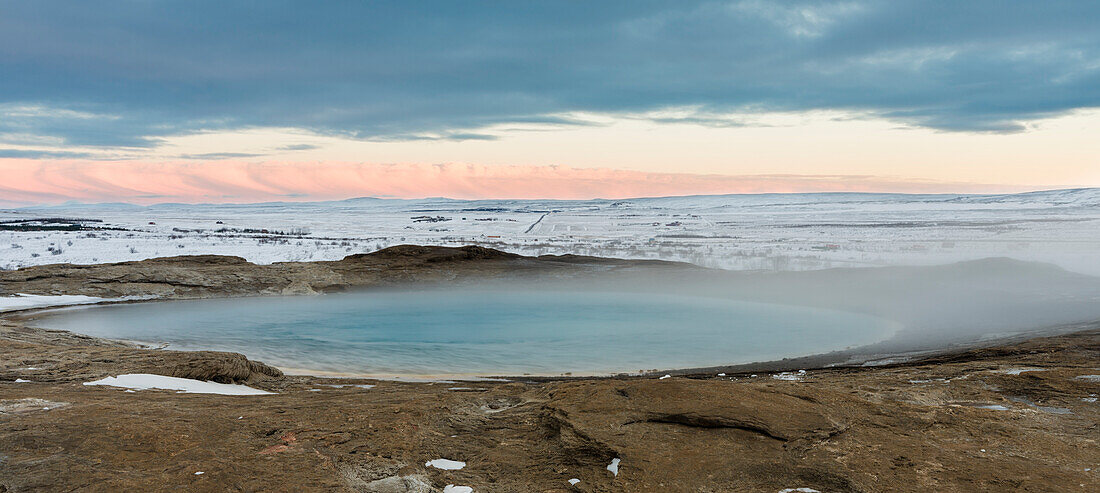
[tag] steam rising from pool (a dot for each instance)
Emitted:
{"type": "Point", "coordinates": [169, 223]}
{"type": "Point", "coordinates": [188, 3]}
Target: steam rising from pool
{"type": "Point", "coordinates": [484, 332]}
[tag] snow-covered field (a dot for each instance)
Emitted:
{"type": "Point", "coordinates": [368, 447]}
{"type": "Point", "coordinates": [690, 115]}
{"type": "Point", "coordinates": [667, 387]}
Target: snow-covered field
{"type": "Point", "coordinates": [770, 231]}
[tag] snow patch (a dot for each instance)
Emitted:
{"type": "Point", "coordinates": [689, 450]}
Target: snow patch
{"type": "Point", "coordinates": [574, 481]}
{"type": "Point", "coordinates": [790, 376]}
{"type": "Point", "coordinates": [1017, 371]}
{"type": "Point", "coordinates": [445, 464]}
{"type": "Point", "coordinates": [930, 380]}
{"type": "Point", "coordinates": [26, 301]}
{"type": "Point", "coordinates": [457, 489]}
{"type": "Point", "coordinates": [664, 377]}
{"type": "Point", "coordinates": [614, 466]}
{"type": "Point", "coordinates": [397, 378]}
{"type": "Point", "coordinates": [799, 490]}
{"type": "Point", "coordinates": [436, 379]}
{"type": "Point", "coordinates": [1088, 378]}
{"type": "Point", "coordinates": [20, 380]}
{"type": "Point", "coordinates": [144, 381]}
{"type": "Point", "coordinates": [885, 361]}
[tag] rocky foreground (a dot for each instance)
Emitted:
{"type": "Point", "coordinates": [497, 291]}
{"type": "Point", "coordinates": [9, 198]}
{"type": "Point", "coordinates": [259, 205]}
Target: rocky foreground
{"type": "Point", "coordinates": [1013, 417]}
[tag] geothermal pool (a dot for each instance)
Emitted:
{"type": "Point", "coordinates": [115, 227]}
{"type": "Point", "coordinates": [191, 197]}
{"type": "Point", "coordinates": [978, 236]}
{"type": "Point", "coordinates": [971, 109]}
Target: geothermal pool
{"type": "Point", "coordinates": [482, 332]}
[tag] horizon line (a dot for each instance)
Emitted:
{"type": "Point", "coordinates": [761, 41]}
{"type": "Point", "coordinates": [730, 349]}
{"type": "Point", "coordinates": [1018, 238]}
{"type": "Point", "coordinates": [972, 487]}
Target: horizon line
{"type": "Point", "coordinates": [76, 203]}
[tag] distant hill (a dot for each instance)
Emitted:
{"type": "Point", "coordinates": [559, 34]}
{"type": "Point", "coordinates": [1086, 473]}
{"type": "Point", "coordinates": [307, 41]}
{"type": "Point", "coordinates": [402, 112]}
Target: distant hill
{"type": "Point", "coordinates": [1077, 197]}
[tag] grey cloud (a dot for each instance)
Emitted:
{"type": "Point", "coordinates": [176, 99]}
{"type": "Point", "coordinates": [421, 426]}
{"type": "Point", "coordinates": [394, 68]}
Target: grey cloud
{"type": "Point", "coordinates": [436, 69]}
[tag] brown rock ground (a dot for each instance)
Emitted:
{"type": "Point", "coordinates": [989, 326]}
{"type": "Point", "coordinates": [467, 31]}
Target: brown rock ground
{"type": "Point", "coordinates": [916, 427]}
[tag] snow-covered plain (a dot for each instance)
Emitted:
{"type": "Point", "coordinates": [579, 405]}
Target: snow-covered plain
{"type": "Point", "coordinates": [768, 231]}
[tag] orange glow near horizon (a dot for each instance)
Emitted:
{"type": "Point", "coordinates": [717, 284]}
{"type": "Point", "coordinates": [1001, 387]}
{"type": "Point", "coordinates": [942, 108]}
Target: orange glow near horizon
{"type": "Point", "coordinates": [612, 157]}
{"type": "Point", "coordinates": [34, 182]}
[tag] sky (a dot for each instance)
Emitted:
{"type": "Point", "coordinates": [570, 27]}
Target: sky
{"type": "Point", "coordinates": [209, 101]}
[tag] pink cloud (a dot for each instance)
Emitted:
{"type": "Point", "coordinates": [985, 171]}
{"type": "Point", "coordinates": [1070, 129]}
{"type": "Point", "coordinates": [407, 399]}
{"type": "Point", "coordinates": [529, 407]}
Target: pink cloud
{"type": "Point", "coordinates": [24, 181]}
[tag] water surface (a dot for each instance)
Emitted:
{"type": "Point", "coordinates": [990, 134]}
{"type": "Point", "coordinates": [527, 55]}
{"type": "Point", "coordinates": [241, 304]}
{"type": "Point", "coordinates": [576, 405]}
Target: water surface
{"type": "Point", "coordinates": [482, 332]}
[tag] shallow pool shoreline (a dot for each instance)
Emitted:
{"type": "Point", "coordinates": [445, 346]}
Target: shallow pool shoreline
{"type": "Point", "coordinates": [854, 357]}
{"type": "Point", "coordinates": [482, 332]}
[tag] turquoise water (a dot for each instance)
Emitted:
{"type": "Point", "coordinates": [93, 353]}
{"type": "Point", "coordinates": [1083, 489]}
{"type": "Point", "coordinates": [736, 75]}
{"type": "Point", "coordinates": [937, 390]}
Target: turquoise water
{"type": "Point", "coordinates": [482, 332]}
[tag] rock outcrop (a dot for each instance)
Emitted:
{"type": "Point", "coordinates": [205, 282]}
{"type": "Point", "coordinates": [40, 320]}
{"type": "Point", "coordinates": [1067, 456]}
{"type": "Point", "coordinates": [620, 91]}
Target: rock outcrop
{"type": "Point", "coordinates": [202, 276]}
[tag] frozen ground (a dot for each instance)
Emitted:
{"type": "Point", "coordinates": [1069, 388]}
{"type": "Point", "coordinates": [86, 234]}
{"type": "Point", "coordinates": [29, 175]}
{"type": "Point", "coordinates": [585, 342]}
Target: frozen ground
{"type": "Point", "coordinates": [770, 231]}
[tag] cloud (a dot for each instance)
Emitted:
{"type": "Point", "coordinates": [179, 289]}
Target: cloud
{"type": "Point", "coordinates": [38, 154]}
{"type": "Point", "coordinates": [216, 156]}
{"type": "Point", "coordinates": [297, 147]}
{"type": "Point", "coordinates": [449, 135]}
{"type": "Point", "coordinates": [38, 182]}
{"type": "Point", "coordinates": [125, 74]}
